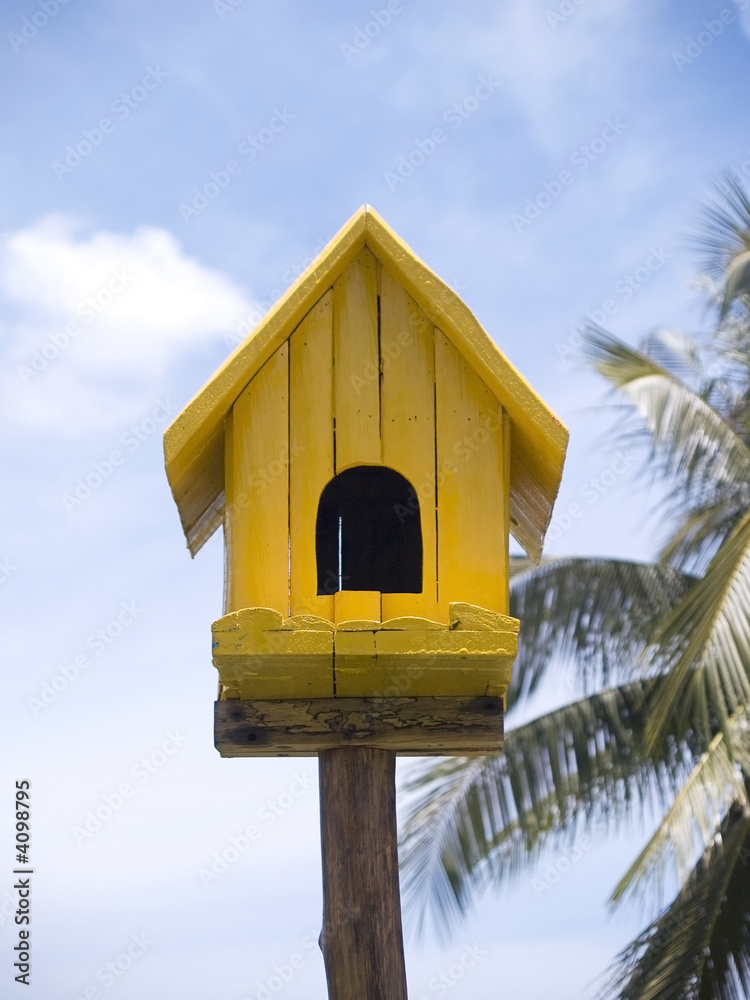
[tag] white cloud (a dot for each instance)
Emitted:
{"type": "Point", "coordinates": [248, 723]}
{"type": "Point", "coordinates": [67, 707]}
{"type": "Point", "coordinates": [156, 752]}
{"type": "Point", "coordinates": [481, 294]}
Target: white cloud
{"type": "Point", "coordinates": [96, 321]}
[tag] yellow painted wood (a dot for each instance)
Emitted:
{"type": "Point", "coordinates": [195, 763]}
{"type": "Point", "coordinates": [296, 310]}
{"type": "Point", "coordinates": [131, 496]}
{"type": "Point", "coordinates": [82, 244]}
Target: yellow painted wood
{"type": "Point", "coordinates": [411, 623]}
{"type": "Point", "coordinates": [311, 444]}
{"type": "Point", "coordinates": [257, 657]}
{"type": "Point", "coordinates": [356, 374]}
{"type": "Point", "coordinates": [469, 617]}
{"type": "Point", "coordinates": [471, 543]}
{"type": "Point", "coordinates": [194, 442]}
{"type": "Point", "coordinates": [308, 622]}
{"type": "Point", "coordinates": [258, 518]}
{"type": "Point", "coordinates": [392, 663]}
{"type": "Point", "coordinates": [407, 351]}
{"type": "Point", "coordinates": [249, 620]}
{"type": "Point", "coordinates": [507, 475]}
{"type": "Point", "coordinates": [227, 513]}
{"type": "Point", "coordinates": [261, 655]}
{"type": "Point", "coordinates": [446, 645]}
{"type": "Point", "coordinates": [350, 605]}
{"type": "Point", "coordinates": [355, 660]}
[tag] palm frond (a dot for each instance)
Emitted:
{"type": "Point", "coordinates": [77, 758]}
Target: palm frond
{"type": "Point", "coordinates": [693, 446]}
{"type": "Point", "coordinates": [724, 227]}
{"type": "Point", "coordinates": [472, 822]}
{"type": "Point", "coordinates": [699, 947]}
{"type": "Point", "coordinates": [598, 614]}
{"type": "Point", "coordinates": [737, 283]}
{"type": "Point", "coordinates": [703, 646]}
{"type": "Point", "coordinates": [688, 826]}
{"type": "Point", "coordinates": [699, 531]}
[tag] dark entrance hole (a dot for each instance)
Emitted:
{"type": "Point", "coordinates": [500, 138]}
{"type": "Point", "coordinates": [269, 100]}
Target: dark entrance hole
{"type": "Point", "coordinates": [368, 534]}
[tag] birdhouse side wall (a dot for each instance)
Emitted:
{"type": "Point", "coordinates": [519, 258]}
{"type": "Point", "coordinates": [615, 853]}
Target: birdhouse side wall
{"type": "Point", "coordinates": [366, 379]}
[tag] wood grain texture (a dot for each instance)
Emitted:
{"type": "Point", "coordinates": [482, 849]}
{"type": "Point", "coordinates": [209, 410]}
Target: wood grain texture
{"type": "Point", "coordinates": [430, 663]}
{"type": "Point", "coordinates": [409, 726]}
{"type": "Point", "coordinates": [361, 940]}
{"type": "Point", "coordinates": [356, 364]}
{"type": "Point", "coordinates": [258, 507]}
{"type": "Point", "coordinates": [288, 663]}
{"type": "Point", "coordinates": [352, 605]}
{"type": "Point", "coordinates": [407, 353]}
{"type": "Point", "coordinates": [311, 443]}
{"type": "Point", "coordinates": [471, 542]}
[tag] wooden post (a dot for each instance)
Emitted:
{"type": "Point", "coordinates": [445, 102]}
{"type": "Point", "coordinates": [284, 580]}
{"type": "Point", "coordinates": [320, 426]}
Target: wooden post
{"type": "Point", "coordinates": [361, 940]}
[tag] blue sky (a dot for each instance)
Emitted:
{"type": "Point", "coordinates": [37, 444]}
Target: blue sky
{"type": "Point", "coordinates": [167, 171]}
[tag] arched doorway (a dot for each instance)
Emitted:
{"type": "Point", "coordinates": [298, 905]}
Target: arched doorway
{"type": "Point", "coordinates": [368, 533]}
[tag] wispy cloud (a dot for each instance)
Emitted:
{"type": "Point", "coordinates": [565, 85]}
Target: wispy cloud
{"type": "Point", "coordinates": [96, 320]}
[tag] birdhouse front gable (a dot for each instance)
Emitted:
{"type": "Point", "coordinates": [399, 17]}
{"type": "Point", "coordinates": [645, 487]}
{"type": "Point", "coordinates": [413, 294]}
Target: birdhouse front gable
{"type": "Point", "coordinates": [196, 442]}
{"type": "Point", "coordinates": [367, 466]}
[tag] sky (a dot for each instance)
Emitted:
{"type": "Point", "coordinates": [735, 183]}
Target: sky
{"type": "Point", "coordinates": [167, 171]}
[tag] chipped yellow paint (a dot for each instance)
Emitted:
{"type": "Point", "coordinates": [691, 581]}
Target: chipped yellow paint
{"type": "Point", "coordinates": [469, 617]}
{"type": "Point", "coordinates": [471, 542]}
{"type": "Point", "coordinates": [308, 622]}
{"type": "Point", "coordinates": [194, 443]}
{"type": "Point", "coordinates": [311, 448]}
{"type": "Point", "coordinates": [405, 657]}
{"type": "Point", "coordinates": [411, 623]}
{"type": "Point", "coordinates": [397, 663]}
{"type": "Point", "coordinates": [407, 348]}
{"type": "Point", "coordinates": [258, 658]}
{"type": "Point", "coordinates": [257, 513]}
{"type": "Point", "coordinates": [506, 506]}
{"type": "Point", "coordinates": [250, 620]}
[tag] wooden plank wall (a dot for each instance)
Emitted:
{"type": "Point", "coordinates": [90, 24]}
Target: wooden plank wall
{"type": "Point", "coordinates": [407, 340]}
{"type": "Point", "coordinates": [367, 379]}
{"type": "Point", "coordinates": [471, 544]}
{"type": "Point", "coordinates": [257, 494]}
{"type": "Point", "coordinates": [311, 450]}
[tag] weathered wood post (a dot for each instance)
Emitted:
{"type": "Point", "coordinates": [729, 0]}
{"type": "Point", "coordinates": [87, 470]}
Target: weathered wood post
{"type": "Point", "coordinates": [362, 942]}
{"type": "Point", "coordinates": [368, 451]}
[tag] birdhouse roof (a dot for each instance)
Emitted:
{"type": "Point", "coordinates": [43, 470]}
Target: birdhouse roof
{"type": "Point", "coordinates": [194, 442]}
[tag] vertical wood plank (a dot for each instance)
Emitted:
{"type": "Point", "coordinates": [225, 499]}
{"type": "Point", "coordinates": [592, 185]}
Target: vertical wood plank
{"type": "Point", "coordinates": [356, 363]}
{"type": "Point", "coordinates": [407, 351]}
{"type": "Point", "coordinates": [311, 450]}
{"type": "Point", "coordinates": [471, 543]}
{"type": "Point", "coordinates": [506, 510]}
{"type": "Point", "coordinates": [259, 518]}
{"type": "Point", "coordinates": [360, 605]}
{"type": "Point", "coordinates": [230, 506]}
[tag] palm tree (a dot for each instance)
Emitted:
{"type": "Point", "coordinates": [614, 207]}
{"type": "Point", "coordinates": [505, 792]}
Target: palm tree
{"type": "Point", "coordinates": [661, 714]}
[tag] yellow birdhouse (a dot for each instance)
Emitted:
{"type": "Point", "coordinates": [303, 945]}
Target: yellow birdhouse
{"type": "Point", "coordinates": [368, 451]}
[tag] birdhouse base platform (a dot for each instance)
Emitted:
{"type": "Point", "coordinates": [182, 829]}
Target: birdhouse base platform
{"type": "Point", "coordinates": [262, 656]}
{"type": "Point", "coordinates": [421, 726]}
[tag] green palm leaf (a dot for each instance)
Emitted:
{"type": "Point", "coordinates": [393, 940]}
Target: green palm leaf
{"type": "Point", "coordinates": [737, 281]}
{"type": "Point", "coordinates": [692, 444]}
{"type": "Point", "coordinates": [471, 822]}
{"type": "Point", "coordinates": [699, 947]}
{"type": "Point", "coordinates": [690, 823]}
{"type": "Point", "coordinates": [703, 646]}
{"type": "Point", "coordinates": [598, 614]}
